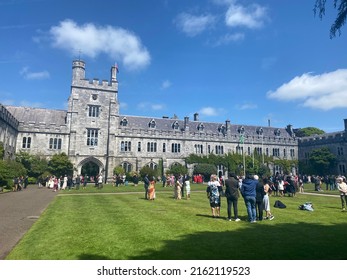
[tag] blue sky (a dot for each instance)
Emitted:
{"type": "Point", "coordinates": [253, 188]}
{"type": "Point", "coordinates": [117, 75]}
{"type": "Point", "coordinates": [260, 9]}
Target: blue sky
{"type": "Point", "coordinates": [246, 61]}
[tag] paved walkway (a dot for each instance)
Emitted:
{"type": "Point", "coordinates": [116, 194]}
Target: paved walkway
{"type": "Point", "coordinates": [18, 212]}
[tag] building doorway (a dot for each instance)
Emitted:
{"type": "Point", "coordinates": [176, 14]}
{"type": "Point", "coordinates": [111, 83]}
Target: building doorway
{"type": "Point", "coordinates": [90, 170]}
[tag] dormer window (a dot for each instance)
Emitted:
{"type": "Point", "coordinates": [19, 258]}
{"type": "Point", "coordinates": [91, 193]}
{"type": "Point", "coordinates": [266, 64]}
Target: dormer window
{"type": "Point", "coordinates": [201, 127]}
{"type": "Point", "coordinates": [124, 122]}
{"type": "Point", "coordinates": [260, 130]}
{"type": "Point", "coordinates": [175, 125]}
{"type": "Point", "coordinates": [152, 124]}
{"type": "Point", "coordinates": [222, 129]}
{"type": "Point", "coordinates": [277, 132]}
{"type": "Point", "coordinates": [241, 130]}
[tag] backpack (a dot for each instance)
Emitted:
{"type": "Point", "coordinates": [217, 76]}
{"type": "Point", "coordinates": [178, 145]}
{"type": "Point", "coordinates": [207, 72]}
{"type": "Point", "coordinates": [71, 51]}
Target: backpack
{"type": "Point", "coordinates": [279, 204]}
{"type": "Point", "coordinates": [306, 206]}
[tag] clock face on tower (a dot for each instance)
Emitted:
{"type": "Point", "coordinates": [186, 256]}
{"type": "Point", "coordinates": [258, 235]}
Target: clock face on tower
{"type": "Point", "coordinates": [95, 96]}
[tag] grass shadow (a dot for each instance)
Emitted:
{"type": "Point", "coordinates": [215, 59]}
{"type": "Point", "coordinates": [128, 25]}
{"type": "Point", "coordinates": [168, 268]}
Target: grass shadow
{"type": "Point", "coordinates": [300, 241]}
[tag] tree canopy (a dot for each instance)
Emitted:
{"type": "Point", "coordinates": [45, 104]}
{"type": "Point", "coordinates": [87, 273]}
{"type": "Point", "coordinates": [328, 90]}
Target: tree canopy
{"type": "Point", "coordinates": [308, 131]}
{"type": "Point", "coordinates": [322, 161]}
{"type": "Point", "coordinates": [341, 6]}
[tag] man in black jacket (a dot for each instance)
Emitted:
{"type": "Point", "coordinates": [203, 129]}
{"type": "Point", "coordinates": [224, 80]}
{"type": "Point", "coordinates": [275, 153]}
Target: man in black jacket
{"type": "Point", "coordinates": [146, 185]}
{"type": "Point", "coordinates": [232, 194]}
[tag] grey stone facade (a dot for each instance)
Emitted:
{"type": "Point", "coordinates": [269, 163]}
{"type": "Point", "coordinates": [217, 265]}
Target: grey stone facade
{"type": "Point", "coordinates": [8, 132]}
{"type": "Point", "coordinates": [336, 142]}
{"type": "Point", "coordinates": [93, 130]}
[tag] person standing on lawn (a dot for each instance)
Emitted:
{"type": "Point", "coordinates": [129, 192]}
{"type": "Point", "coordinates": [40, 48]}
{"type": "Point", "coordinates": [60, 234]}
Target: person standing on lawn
{"type": "Point", "coordinates": [214, 191]}
{"type": "Point", "coordinates": [248, 192]}
{"type": "Point", "coordinates": [342, 187]}
{"type": "Point", "coordinates": [232, 194]}
{"type": "Point", "coordinates": [151, 189]}
{"type": "Point", "coordinates": [266, 200]}
{"type": "Point", "coordinates": [259, 199]}
{"type": "Point", "coordinates": [146, 185]}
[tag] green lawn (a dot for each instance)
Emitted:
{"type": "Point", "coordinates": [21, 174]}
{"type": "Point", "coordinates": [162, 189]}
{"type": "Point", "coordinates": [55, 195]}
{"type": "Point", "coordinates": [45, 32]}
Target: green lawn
{"type": "Point", "coordinates": [119, 224]}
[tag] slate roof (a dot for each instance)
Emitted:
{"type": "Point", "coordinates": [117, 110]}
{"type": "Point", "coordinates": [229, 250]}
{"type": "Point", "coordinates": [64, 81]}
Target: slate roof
{"type": "Point", "coordinates": [57, 117]}
{"type": "Point", "coordinates": [166, 124]}
{"type": "Point", "coordinates": [38, 115]}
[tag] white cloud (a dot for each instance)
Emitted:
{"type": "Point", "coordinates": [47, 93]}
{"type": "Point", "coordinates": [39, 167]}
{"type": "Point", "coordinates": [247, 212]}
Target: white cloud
{"type": "Point", "coordinates": [253, 16]}
{"type": "Point", "coordinates": [209, 111]}
{"type": "Point", "coordinates": [92, 40]}
{"type": "Point", "coordinates": [193, 25]}
{"type": "Point", "coordinates": [34, 75]}
{"type": "Point", "coordinates": [247, 106]}
{"type": "Point", "coordinates": [166, 84]}
{"type": "Point", "coordinates": [325, 91]}
{"type": "Point", "coordinates": [229, 38]}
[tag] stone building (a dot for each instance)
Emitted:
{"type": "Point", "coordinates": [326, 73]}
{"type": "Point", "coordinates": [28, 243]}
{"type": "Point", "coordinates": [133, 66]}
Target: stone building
{"type": "Point", "coordinates": [336, 142]}
{"type": "Point", "coordinates": [94, 134]}
{"type": "Point", "coordinates": [8, 132]}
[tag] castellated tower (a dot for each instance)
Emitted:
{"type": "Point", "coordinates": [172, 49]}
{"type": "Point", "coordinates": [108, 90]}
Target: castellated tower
{"type": "Point", "coordinates": [92, 117]}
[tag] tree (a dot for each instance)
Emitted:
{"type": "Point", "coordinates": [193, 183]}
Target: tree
{"type": "Point", "coordinates": [146, 170]}
{"type": "Point", "coordinates": [178, 169]}
{"type": "Point", "coordinates": [60, 165]}
{"type": "Point", "coordinates": [341, 6]}
{"type": "Point", "coordinates": [308, 131]}
{"type": "Point", "coordinates": [9, 169]}
{"type": "Point", "coordinates": [322, 161]}
{"type": "Point", "coordinates": [2, 150]}
{"type": "Point", "coordinates": [205, 169]}
{"type": "Point", "coordinates": [118, 170]}
{"type": "Point", "coordinates": [35, 165]}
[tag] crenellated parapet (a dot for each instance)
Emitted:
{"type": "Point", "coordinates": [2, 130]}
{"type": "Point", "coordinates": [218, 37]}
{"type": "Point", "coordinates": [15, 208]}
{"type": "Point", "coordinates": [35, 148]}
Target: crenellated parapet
{"type": "Point", "coordinates": [8, 118]}
{"type": "Point", "coordinates": [79, 79]}
{"type": "Point", "coordinates": [323, 139]}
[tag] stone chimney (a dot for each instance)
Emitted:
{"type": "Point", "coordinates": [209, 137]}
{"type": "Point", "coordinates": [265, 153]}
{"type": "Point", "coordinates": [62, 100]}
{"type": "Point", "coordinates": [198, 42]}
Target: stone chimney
{"type": "Point", "coordinates": [196, 117]}
{"type": "Point", "coordinates": [186, 123]}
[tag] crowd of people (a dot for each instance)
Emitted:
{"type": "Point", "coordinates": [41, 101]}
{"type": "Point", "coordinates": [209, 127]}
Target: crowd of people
{"type": "Point", "coordinates": [180, 184]}
{"type": "Point", "coordinates": [20, 183]}
{"type": "Point", "coordinates": [68, 182]}
{"type": "Point", "coordinates": [255, 194]}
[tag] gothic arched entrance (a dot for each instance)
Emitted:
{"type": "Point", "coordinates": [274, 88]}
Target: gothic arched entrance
{"type": "Point", "coordinates": [91, 168]}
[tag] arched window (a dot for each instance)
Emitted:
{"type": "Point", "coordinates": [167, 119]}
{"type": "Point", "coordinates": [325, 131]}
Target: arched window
{"type": "Point", "coordinates": [152, 165]}
{"type": "Point", "coordinates": [127, 166]}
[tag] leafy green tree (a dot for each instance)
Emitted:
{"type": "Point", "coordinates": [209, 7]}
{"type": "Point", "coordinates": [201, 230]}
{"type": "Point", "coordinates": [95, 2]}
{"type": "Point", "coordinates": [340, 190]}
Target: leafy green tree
{"type": "Point", "coordinates": [2, 150]}
{"type": "Point", "coordinates": [39, 166]}
{"type": "Point", "coordinates": [178, 169]}
{"type": "Point", "coordinates": [341, 6]}
{"type": "Point", "coordinates": [60, 165]}
{"type": "Point", "coordinates": [308, 131]}
{"type": "Point", "coordinates": [35, 165]}
{"type": "Point", "coordinates": [322, 161]}
{"type": "Point", "coordinates": [9, 169]}
{"type": "Point", "coordinates": [149, 171]}
{"type": "Point", "coordinates": [118, 170]}
{"type": "Point", "coordinates": [205, 169]}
